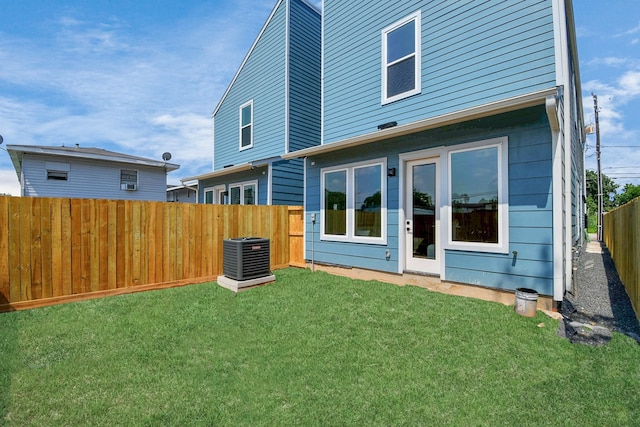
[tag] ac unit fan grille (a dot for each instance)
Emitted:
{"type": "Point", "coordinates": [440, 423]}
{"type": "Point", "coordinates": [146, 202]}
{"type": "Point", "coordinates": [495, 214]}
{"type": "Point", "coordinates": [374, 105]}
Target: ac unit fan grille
{"type": "Point", "coordinates": [246, 258]}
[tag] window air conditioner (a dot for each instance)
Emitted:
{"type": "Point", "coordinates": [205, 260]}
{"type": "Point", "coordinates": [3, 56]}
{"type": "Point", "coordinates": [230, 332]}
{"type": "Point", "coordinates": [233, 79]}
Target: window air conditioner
{"type": "Point", "coordinates": [129, 186]}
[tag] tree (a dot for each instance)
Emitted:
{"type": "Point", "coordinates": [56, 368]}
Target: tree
{"type": "Point", "coordinates": [629, 193]}
{"type": "Point", "coordinates": [609, 189]}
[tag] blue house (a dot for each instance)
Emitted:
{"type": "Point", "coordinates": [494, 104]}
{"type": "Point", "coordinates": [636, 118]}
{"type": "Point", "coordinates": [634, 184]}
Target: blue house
{"type": "Point", "coordinates": [452, 151]}
{"type": "Point", "coordinates": [271, 108]}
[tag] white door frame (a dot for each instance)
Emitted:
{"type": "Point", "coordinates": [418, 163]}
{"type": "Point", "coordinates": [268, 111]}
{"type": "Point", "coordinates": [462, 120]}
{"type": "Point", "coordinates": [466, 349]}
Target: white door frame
{"type": "Point", "coordinates": [439, 155]}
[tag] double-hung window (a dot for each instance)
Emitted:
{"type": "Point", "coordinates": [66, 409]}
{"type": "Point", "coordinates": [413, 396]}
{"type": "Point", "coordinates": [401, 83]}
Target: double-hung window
{"type": "Point", "coordinates": [246, 125]}
{"type": "Point", "coordinates": [354, 205]}
{"type": "Point", "coordinates": [401, 59]}
{"type": "Point", "coordinates": [478, 193]}
{"type": "Point", "coordinates": [244, 193]}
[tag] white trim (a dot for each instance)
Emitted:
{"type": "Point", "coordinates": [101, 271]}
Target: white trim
{"type": "Point", "coordinates": [502, 144]}
{"type": "Point", "coordinates": [246, 58]}
{"type": "Point", "coordinates": [322, 79]}
{"type": "Point", "coordinates": [127, 183]}
{"type": "Point", "coordinates": [215, 190]}
{"type": "Point", "coordinates": [16, 152]}
{"type": "Point", "coordinates": [253, 46]}
{"type": "Point", "coordinates": [559, 30]}
{"type": "Point", "coordinates": [304, 210]}
{"type": "Point", "coordinates": [287, 47]}
{"type": "Point", "coordinates": [213, 156]}
{"type": "Point", "coordinates": [270, 184]}
{"type": "Point", "coordinates": [484, 110]}
{"type": "Point", "coordinates": [439, 152]}
{"type": "Point", "coordinates": [417, 54]}
{"type": "Point", "coordinates": [430, 266]}
{"type": "Point", "coordinates": [241, 126]}
{"type": "Point", "coordinates": [211, 190]}
{"type": "Point", "coordinates": [350, 202]}
{"type": "Point", "coordinates": [241, 186]}
{"type": "Point", "coordinates": [232, 169]}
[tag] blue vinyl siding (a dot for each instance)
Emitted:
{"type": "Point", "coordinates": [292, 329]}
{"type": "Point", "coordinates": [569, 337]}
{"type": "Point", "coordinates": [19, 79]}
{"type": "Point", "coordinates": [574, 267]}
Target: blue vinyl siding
{"type": "Point", "coordinates": [261, 79]}
{"type": "Point", "coordinates": [530, 204]}
{"type": "Point", "coordinates": [467, 46]}
{"type": "Point", "coordinates": [92, 179]}
{"type": "Point", "coordinates": [259, 174]}
{"type": "Point", "coordinates": [281, 77]}
{"type": "Point", "coordinates": [304, 76]}
{"type": "Point", "coordinates": [287, 183]}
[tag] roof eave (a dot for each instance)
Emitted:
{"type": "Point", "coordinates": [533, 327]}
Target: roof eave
{"type": "Point", "coordinates": [484, 110]}
{"type": "Point", "coordinates": [221, 172]}
{"type": "Point", "coordinates": [81, 155]}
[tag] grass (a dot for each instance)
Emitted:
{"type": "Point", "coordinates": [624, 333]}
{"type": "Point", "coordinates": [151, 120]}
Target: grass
{"type": "Point", "coordinates": [310, 349]}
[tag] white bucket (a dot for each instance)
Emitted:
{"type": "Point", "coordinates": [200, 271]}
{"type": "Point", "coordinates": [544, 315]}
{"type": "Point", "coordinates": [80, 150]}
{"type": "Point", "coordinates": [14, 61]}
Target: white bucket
{"type": "Point", "coordinates": [526, 302]}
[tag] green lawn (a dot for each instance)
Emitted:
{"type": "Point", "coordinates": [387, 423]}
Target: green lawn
{"type": "Point", "coordinates": [310, 349]}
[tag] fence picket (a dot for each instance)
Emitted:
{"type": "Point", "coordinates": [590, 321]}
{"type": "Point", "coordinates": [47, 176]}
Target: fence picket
{"type": "Point", "coordinates": [622, 238]}
{"type": "Point", "coordinates": [57, 249]}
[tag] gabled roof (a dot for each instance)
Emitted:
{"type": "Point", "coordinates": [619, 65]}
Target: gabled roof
{"type": "Point", "coordinates": [16, 152]}
{"type": "Point", "coordinates": [253, 46]}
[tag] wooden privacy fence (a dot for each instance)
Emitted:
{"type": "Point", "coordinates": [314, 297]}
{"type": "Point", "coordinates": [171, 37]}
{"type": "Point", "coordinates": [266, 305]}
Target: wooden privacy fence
{"type": "Point", "coordinates": [54, 249]}
{"type": "Point", "coordinates": [622, 237]}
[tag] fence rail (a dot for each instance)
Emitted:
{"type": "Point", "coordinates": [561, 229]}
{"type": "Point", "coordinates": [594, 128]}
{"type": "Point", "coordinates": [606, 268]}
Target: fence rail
{"type": "Point", "coordinates": [622, 237]}
{"type": "Point", "coordinates": [54, 248]}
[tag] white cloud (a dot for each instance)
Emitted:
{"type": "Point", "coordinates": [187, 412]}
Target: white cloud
{"type": "Point", "coordinates": [612, 61]}
{"type": "Point", "coordinates": [634, 30]}
{"type": "Point", "coordinates": [9, 183]}
{"type": "Point", "coordinates": [617, 131]}
{"type": "Point", "coordinates": [99, 84]}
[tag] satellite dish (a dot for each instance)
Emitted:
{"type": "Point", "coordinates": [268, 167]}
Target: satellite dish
{"type": "Point", "coordinates": [166, 156]}
{"type": "Point", "coordinates": [1, 139]}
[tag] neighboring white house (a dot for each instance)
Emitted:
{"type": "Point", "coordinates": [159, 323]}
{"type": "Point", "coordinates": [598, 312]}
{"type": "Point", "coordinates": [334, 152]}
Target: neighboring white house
{"type": "Point", "coordinates": [90, 173]}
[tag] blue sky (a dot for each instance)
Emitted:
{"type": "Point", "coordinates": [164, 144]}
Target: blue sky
{"type": "Point", "coordinates": [143, 77]}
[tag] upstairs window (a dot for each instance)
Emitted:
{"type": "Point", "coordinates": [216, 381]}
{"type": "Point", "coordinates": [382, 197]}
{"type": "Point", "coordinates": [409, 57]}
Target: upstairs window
{"type": "Point", "coordinates": [246, 125]}
{"type": "Point", "coordinates": [128, 179]}
{"type": "Point", "coordinates": [57, 171]}
{"type": "Point", "coordinates": [401, 62]}
{"type": "Point", "coordinates": [57, 175]}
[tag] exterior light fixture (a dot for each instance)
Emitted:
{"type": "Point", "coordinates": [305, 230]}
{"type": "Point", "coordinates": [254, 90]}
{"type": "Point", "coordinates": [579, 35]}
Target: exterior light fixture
{"type": "Point", "coordinates": [387, 125]}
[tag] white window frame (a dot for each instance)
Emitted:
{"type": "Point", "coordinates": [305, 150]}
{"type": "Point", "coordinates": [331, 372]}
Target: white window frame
{"type": "Point", "coordinates": [350, 231]}
{"type": "Point", "coordinates": [57, 168]}
{"type": "Point", "coordinates": [208, 190]}
{"type": "Point", "coordinates": [503, 197]}
{"type": "Point", "coordinates": [124, 184]}
{"type": "Point", "coordinates": [417, 17]}
{"type": "Point", "coordinates": [240, 126]}
{"type": "Point", "coordinates": [241, 186]}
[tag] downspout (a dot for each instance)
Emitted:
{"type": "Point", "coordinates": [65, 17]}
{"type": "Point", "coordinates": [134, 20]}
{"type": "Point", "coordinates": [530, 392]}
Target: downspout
{"type": "Point", "coordinates": [557, 188]}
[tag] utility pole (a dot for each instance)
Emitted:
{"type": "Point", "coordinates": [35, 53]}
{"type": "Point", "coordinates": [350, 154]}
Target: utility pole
{"type": "Point", "coordinates": [600, 215]}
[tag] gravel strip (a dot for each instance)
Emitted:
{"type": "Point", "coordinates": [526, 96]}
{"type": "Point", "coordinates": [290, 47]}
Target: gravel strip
{"type": "Point", "coordinates": [599, 303]}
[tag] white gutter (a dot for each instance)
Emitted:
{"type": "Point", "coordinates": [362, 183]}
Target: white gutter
{"type": "Point", "coordinates": [92, 156]}
{"type": "Point", "coordinates": [232, 169]}
{"type": "Point", "coordinates": [485, 110]}
{"type": "Point", "coordinates": [226, 171]}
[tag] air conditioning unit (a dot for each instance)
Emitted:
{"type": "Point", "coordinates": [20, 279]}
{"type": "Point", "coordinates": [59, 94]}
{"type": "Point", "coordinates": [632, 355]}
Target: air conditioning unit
{"type": "Point", "coordinates": [246, 258]}
{"type": "Point", "coordinates": [129, 186]}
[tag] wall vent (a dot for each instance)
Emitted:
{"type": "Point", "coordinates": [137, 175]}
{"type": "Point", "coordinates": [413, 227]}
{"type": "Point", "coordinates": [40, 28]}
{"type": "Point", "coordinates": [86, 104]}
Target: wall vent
{"type": "Point", "coordinates": [246, 258]}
